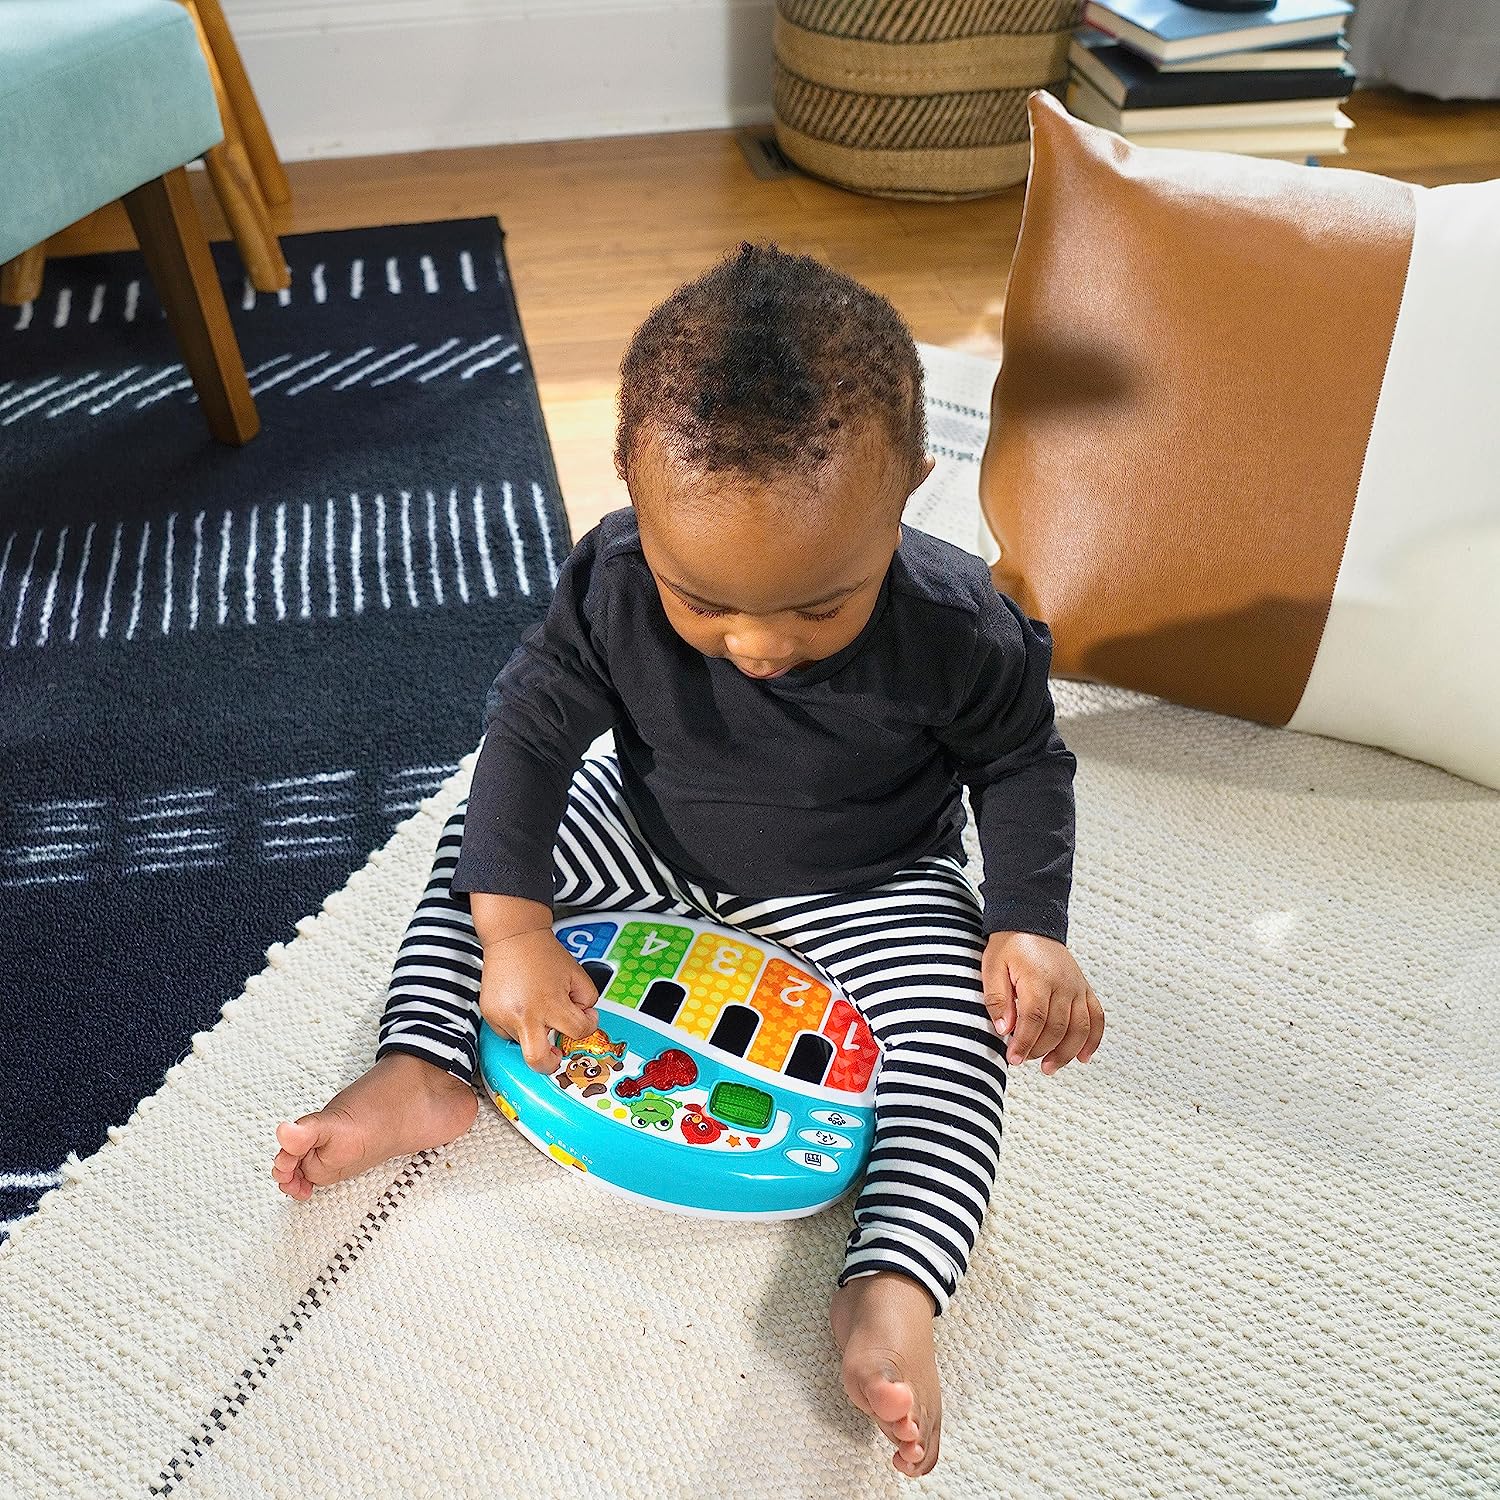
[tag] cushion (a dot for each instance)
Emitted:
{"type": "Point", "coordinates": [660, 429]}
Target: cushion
{"type": "Point", "coordinates": [1244, 446]}
{"type": "Point", "coordinates": [96, 98]}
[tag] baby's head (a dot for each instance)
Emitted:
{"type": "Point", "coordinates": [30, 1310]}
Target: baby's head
{"type": "Point", "coordinates": [771, 429]}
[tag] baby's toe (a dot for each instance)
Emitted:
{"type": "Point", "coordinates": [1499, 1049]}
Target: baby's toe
{"type": "Point", "coordinates": [921, 1453]}
{"type": "Point", "coordinates": [326, 1146]}
{"type": "Point", "coordinates": [899, 1413]}
{"type": "Point", "coordinates": [927, 1450]}
{"type": "Point", "coordinates": [879, 1391]}
{"type": "Point", "coordinates": [296, 1138]}
{"type": "Point", "coordinates": [892, 1404]}
{"type": "Point", "coordinates": [299, 1185]}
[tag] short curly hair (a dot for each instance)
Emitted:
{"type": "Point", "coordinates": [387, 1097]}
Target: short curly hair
{"type": "Point", "coordinates": [749, 368]}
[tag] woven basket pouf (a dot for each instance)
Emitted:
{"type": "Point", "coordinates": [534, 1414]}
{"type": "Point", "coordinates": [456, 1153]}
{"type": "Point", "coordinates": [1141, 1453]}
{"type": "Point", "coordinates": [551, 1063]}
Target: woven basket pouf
{"type": "Point", "coordinates": [915, 98]}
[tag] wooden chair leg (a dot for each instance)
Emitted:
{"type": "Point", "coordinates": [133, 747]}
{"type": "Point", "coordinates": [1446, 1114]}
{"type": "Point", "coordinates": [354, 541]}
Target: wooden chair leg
{"type": "Point", "coordinates": [249, 219]}
{"type": "Point", "coordinates": [21, 278]}
{"type": "Point", "coordinates": [177, 256]}
{"type": "Point", "coordinates": [238, 192]}
{"type": "Point", "coordinates": [269, 172]}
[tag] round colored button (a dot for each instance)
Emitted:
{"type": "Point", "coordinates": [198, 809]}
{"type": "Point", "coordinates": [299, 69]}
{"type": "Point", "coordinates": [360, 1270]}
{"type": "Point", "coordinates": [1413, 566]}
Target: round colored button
{"type": "Point", "coordinates": [815, 1161]}
{"type": "Point", "coordinates": [830, 1140]}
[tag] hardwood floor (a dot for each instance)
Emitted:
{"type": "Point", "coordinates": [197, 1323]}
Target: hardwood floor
{"type": "Point", "coordinates": [598, 231]}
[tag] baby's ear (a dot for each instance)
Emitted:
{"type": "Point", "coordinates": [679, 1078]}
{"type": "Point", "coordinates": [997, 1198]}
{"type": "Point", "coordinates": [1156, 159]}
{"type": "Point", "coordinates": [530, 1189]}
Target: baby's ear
{"type": "Point", "coordinates": [919, 476]}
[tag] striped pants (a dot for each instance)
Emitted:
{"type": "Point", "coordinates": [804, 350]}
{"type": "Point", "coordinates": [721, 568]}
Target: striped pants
{"type": "Point", "coordinates": [907, 953]}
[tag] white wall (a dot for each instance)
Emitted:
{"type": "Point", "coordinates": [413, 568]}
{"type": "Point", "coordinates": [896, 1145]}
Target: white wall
{"type": "Point", "coordinates": [350, 77]}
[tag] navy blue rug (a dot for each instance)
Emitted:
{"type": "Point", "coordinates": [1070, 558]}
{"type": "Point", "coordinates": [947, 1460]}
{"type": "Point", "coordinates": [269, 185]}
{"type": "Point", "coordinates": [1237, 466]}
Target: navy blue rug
{"type": "Point", "coordinates": [225, 675]}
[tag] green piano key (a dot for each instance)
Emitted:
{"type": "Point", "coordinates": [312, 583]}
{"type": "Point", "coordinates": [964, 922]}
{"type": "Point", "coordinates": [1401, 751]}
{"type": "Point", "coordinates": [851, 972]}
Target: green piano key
{"type": "Point", "coordinates": [643, 952]}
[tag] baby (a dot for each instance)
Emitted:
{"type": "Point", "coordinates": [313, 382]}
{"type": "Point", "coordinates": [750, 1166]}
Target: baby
{"type": "Point", "coordinates": [800, 689]}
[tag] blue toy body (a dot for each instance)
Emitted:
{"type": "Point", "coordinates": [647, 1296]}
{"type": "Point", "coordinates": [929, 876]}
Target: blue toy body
{"type": "Point", "coordinates": [724, 1078]}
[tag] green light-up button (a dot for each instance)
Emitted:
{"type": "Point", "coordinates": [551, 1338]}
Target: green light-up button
{"type": "Point", "coordinates": [740, 1105]}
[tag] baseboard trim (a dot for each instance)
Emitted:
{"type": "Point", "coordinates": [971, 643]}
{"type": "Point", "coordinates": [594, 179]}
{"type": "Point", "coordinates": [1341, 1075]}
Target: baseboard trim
{"type": "Point", "coordinates": [358, 77]}
{"type": "Point", "coordinates": [293, 18]}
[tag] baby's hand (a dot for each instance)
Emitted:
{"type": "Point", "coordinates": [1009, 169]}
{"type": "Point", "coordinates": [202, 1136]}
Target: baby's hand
{"type": "Point", "coordinates": [1036, 994]}
{"type": "Point", "coordinates": [531, 985]}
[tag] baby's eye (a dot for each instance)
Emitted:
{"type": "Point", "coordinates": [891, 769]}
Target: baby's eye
{"type": "Point", "coordinates": [709, 614]}
{"type": "Point", "coordinates": [826, 614]}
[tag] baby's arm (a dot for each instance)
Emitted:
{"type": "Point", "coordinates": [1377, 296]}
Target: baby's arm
{"type": "Point", "coordinates": [1020, 779]}
{"type": "Point", "coordinates": [552, 699]}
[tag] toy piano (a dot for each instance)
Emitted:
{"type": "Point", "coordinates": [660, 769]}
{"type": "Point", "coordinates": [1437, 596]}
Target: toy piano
{"type": "Point", "coordinates": [724, 1078]}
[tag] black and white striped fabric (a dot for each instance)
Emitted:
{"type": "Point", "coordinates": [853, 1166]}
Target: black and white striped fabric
{"type": "Point", "coordinates": [907, 953]}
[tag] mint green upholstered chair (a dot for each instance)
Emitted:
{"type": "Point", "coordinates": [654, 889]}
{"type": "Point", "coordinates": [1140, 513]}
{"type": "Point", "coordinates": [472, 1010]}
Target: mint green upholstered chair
{"type": "Point", "coordinates": [105, 99]}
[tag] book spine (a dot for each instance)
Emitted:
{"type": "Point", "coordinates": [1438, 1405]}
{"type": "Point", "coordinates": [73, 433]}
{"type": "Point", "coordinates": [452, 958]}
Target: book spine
{"type": "Point", "coordinates": [1187, 91]}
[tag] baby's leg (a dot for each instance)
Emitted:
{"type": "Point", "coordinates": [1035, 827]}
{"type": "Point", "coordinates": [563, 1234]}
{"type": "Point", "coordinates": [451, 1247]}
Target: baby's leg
{"type": "Point", "coordinates": [600, 861]}
{"type": "Point", "coordinates": [419, 1092]}
{"type": "Point", "coordinates": [909, 955]}
{"type": "Point", "coordinates": [432, 1004]}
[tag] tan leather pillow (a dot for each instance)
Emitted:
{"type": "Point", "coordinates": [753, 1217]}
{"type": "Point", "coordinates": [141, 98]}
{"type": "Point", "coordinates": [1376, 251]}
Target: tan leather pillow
{"type": "Point", "coordinates": [1245, 441]}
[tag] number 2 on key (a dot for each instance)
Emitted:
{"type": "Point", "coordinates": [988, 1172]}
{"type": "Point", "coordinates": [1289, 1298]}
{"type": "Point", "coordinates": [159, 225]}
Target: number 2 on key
{"type": "Point", "coordinates": [798, 987]}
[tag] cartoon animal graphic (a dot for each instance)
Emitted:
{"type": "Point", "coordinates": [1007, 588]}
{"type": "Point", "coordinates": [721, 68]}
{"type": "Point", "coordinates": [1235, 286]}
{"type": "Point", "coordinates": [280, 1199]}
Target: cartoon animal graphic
{"type": "Point", "coordinates": [672, 1069]}
{"type": "Point", "coordinates": [587, 1073]}
{"type": "Point", "coordinates": [699, 1129]}
{"type": "Point", "coordinates": [652, 1110]}
{"type": "Point", "coordinates": [596, 1041]}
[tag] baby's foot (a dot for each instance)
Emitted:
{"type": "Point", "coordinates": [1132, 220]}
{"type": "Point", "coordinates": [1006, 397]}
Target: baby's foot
{"type": "Point", "coordinates": [883, 1323]}
{"type": "Point", "coordinates": [399, 1106]}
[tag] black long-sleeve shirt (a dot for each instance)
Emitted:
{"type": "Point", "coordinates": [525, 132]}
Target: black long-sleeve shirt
{"type": "Point", "coordinates": [832, 777]}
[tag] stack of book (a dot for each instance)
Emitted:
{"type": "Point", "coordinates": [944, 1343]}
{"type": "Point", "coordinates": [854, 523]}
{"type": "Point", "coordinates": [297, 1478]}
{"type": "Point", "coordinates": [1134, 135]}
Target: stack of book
{"type": "Point", "coordinates": [1263, 83]}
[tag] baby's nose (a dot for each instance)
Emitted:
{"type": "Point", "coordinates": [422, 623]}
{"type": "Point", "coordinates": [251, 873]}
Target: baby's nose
{"type": "Point", "coordinates": [760, 645]}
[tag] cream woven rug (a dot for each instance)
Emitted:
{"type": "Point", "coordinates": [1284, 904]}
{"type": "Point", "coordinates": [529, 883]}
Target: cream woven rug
{"type": "Point", "coordinates": [1250, 1251]}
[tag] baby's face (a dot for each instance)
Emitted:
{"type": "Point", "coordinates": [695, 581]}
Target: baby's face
{"type": "Point", "coordinates": [772, 576]}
